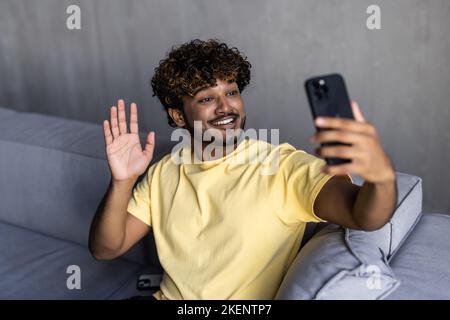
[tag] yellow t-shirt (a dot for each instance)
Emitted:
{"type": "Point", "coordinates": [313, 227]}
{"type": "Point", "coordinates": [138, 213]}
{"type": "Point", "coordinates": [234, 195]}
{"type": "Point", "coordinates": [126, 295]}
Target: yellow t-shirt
{"type": "Point", "coordinates": [227, 229]}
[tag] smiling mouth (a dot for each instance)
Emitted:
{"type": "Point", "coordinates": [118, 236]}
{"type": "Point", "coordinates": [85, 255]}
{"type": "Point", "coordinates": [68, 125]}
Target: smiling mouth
{"type": "Point", "coordinates": [225, 123]}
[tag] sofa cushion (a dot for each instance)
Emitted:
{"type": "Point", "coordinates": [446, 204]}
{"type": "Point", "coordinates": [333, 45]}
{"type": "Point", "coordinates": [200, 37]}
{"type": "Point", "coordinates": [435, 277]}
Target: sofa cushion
{"type": "Point", "coordinates": [333, 271]}
{"type": "Point", "coordinates": [34, 266]}
{"type": "Point", "coordinates": [65, 135]}
{"type": "Point", "coordinates": [390, 237]}
{"type": "Point", "coordinates": [6, 113]}
{"type": "Point", "coordinates": [407, 213]}
{"type": "Point", "coordinates": [54, 174]}
{"type": "Point", "coordinates": [327, 268]}
{"type": "Point", "coordinates": [423, 261]}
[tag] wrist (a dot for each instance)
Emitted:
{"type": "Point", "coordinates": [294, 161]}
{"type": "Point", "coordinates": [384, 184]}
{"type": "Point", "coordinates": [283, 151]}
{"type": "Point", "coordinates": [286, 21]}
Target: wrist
{"type": "Point", "coordinates": [389, 177]}
{"type": "Point", "coordinates": [123, 184]}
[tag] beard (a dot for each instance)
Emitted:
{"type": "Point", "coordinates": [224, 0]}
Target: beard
{"type": "Point", "coordinates": [217, 137]}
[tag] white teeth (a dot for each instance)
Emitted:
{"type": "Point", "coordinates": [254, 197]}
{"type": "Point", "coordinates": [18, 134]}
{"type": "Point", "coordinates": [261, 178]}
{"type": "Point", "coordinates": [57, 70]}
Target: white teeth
{"type": "Point", "coordinates": [223, 122]}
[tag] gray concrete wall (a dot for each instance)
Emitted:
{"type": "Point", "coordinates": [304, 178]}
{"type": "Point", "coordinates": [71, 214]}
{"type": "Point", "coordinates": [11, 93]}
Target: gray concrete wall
{"type": "Point", "coordinates": [399, 74]}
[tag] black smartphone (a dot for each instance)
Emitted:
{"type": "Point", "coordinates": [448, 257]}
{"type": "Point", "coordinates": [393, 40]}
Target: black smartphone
{"type": "Point", "coordinates": [328, 97]}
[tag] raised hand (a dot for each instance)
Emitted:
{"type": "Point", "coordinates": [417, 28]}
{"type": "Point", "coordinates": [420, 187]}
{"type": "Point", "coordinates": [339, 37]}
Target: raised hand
{"type": "Point", "coordinates": [126, 158]}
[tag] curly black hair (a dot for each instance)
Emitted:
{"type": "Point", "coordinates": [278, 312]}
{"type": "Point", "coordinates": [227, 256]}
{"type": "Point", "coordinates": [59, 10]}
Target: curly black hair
{"type": "Point", "coordinates": [194, 66]}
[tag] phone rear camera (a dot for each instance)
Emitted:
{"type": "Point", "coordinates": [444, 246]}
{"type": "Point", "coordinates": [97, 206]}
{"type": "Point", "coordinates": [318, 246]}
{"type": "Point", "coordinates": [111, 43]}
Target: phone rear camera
{"type": "Point", "coordinates": [320, 89]}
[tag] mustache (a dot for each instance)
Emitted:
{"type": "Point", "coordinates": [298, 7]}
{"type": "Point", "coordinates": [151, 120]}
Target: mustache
{"type": "Point", "coordinates": [225, 116]}
{"type": "Point", "coordinates": [190, 128]}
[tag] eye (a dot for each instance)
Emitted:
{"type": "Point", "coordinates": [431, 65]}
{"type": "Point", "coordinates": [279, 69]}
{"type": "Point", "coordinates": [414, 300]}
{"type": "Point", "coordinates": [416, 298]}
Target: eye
{"type": "Point", "coordinates": [205, 100]}
{"type": "Point", "coordinates": [234, 92]}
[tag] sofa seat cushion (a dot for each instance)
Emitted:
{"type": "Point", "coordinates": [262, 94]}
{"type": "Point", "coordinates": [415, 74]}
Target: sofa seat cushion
{"type": "Point", "coordinates": [34, 266]}
{"type": "Point", "coordinates": [423, 262]}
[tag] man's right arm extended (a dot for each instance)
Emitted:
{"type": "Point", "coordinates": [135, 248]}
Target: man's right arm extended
{"type": "Point", "coordinates": [113, 230]}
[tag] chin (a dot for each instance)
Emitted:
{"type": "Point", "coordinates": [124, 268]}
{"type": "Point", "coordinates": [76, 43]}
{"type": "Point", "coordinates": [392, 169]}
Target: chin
{"type": "Point", "coordinates": [224, 138]}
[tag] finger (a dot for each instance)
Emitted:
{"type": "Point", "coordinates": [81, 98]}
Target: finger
{"type": "Point", "coordinates": [357, 114]}
{"type": "Point", "coordinates": [122, 117]}
{"type": "Point", "coordinates": [149, 145]}
{"type": "Point", "coordinates": [114, 123]}
{"type": "Point", "coordinates": [133, 118]}
{"type": "Point", "coordinates": [344, 152]}
{"type": "Point", "coordinates": [340, 123]}
{"type": "Point", "coordinates": [337, 135]}
{"type": "Point", "coordinates": [107, 132]}
{"type": "Point", "coordinates": [346, 124]}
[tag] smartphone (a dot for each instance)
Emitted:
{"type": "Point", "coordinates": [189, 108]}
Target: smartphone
{"type": "Point", "coordinates": [328, 97]}
{"type": "Point", "coordinates": [149, 281]}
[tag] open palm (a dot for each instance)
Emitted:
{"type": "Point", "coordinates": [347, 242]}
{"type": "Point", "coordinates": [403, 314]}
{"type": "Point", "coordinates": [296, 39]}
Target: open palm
{"type": "Point", "coordinates": [126, 158]}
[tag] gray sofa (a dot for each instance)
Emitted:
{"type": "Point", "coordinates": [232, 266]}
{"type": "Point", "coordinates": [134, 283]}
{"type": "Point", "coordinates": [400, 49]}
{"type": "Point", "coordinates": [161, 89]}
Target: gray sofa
{"type": "Point", "coordinates": [53, 174]}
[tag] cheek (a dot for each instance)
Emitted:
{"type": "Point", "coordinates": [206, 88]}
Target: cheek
{"type": "Point", "coordinates": [204, 114]}
{"type": "Point", "coordinates": [199, 116]}
{"type": "Point", "coordinates": [241, 106]}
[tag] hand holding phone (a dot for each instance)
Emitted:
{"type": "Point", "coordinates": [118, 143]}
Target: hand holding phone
{"type": "Point", "coordinates": [350, 137]}
{"type": "Point", "coordinates": [328, 97]}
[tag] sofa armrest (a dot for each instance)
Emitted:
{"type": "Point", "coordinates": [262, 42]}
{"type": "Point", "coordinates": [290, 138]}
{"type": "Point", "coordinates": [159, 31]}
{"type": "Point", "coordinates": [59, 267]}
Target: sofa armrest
{"type": "Point", "coordinates": [406, 215]}
{"type": "Point", "coordinates": [326, 268]}
{"type": "Point", "coordinates": [340, 263]}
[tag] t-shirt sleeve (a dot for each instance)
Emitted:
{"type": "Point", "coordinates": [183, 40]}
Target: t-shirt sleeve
{"type": "Point", "coordinates": [139, 203]}
{"type": "Point", "coordinates": [300, 181]}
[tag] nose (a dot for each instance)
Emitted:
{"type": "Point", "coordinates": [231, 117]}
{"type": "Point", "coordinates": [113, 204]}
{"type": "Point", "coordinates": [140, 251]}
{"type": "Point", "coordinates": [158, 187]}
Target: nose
{"type": "Point", "coordinates": [223, 106]}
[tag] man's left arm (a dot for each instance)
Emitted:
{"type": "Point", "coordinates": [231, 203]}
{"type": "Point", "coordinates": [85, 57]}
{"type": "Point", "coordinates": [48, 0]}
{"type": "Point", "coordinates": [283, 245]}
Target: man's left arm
{"type": "Point", "coordinates": [370, 206]}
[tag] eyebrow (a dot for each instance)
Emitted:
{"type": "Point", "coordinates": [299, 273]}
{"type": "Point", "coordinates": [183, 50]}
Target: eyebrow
{"type": "Point", "coordinates": [209, 87]}
{"type": "Point", "coordinates": [198, 90]}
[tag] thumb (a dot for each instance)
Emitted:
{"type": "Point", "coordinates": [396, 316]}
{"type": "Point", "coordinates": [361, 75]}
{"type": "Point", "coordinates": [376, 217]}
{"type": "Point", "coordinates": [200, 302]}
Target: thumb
{"type": "Point", "coordinates": [149, 145]}
{"type": "Point", "coordinates": [357, 112]}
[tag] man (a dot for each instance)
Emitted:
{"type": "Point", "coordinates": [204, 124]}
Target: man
{"type": "Point", "coordinates": [222, 229]}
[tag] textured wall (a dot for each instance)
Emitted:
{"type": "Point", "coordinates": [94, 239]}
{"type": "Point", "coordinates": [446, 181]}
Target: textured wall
{"type": "Point", "coordinates": [399, 74]}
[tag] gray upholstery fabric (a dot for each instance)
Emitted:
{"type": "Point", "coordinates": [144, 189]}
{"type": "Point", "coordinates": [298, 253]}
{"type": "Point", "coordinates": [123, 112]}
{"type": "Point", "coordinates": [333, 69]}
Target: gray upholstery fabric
{"type": "Point", "coordinates": [33, 266]}
{"type": "Point", "coordinates": [54, 174]}
{"type": "Point", "coordinates": [68, 136]}
{"type": "Point", "coordinates": [407, 213]}
{"type": "Point", "coordinates": [6, 113]}
{"type": "Point", "coordinates": [423, 261]}
{"type": "Point", "coordinates": [326, 268]}
{"type": "Point", "coordinates": [343, 279]}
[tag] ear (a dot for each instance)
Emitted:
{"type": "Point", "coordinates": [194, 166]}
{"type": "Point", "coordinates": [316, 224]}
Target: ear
{"type": "Point", "coordinates": [177, 116]}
